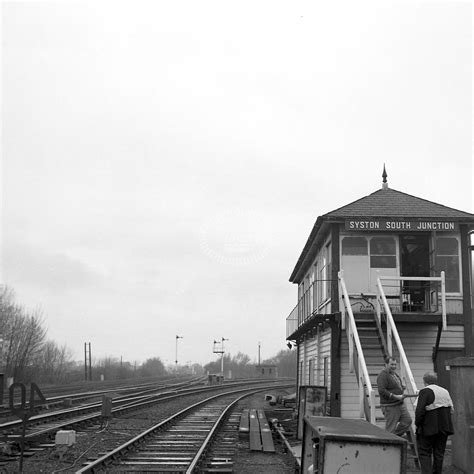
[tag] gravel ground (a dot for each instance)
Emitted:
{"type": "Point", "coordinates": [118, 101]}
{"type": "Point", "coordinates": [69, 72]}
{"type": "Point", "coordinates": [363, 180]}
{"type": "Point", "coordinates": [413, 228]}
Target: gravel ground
{"type": "Point", "coordinates": [96, 440]}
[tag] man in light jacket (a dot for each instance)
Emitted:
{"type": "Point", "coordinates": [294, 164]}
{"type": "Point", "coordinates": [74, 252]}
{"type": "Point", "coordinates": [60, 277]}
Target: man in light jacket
{"type": "Point", "coordinates": [433, 420]}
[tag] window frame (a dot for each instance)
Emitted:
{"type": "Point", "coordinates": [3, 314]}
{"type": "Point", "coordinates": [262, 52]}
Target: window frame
{"type": "Point", "coordinates": [433, 240]}
{"type": "Point", "coordinates": [395, 241]}
{"type": "Point", "coordinates": [368, 237]}
{"type": "Point", "coordinates": [457, 237]}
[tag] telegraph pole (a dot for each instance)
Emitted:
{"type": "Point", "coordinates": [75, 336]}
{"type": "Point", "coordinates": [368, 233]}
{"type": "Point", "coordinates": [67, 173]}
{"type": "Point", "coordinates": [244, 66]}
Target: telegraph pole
{"type": "Point", "coordinates": [87, 362]}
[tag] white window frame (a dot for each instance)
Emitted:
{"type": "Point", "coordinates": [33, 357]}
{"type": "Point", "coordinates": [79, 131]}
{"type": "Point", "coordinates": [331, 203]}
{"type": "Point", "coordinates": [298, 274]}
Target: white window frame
{"type": "Point", "coordinates": [368, 238]}
{"type": "Point", "coordinates": [458, 239]}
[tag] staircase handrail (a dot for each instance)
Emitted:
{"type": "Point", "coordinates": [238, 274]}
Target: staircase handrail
{"type": "Point", "coordinates": [392, 331]}
{"type": "Point", "coordinates": [360, 355]}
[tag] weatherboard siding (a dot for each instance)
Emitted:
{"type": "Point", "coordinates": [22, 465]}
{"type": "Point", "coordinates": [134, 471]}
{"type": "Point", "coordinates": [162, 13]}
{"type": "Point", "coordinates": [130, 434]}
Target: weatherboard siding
{"type": "Point", "coordinates": [418, 341]}
{"type": "Point", "coordinates": [317, 349]}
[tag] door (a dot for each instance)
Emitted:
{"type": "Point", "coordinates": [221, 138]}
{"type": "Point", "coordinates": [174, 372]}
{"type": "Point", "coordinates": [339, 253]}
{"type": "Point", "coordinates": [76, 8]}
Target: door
{"type": "Point", "coordinates": [444, 354]}
{"type": "Point", "coordinates": [415, 262]}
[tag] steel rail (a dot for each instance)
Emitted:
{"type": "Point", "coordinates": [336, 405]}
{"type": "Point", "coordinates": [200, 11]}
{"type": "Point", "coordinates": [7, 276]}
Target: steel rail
{"type": "Point", "coordinates": [81, 400]}
{"type": "Point", "coordinates": [202, 450]}
{"type": "Point", "coordinates": [121, 451]}
{"type": "Point", "coordinates": [120, 402]}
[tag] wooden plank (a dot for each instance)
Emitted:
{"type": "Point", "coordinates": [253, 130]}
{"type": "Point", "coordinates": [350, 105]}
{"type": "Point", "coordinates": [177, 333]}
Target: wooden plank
{"type": "Point", "coordinates": [255, 440]}
{"type": "Point", "coordinates": [266, 433]}
{"type": "Point", "coordinates": [244, 422]}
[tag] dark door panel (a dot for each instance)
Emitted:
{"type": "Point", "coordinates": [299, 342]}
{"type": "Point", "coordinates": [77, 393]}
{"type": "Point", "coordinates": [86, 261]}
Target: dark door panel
{"type": "Point", "coordinates": [415, 262]}
{"type": "Point", "coordinates": [444, 354]}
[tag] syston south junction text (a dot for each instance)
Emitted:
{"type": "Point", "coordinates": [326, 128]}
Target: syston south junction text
{"type": "Point", "coordinates": [398, 225]}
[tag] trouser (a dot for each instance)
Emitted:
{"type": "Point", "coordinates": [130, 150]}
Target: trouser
{"type": "Point", "coordinates": [397, 419]}
{"type": "Point", "coordinates": [431, 452]}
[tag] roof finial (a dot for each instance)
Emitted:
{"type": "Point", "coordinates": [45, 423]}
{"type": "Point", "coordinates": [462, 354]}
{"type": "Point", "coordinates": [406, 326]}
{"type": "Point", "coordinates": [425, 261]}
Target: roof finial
{"type": "Point", "coordinates": [384, 176]}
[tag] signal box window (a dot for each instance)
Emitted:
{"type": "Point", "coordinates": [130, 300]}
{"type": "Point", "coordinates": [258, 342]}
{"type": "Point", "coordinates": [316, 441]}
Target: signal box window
{"type": "Point", "coordinates": [355, 263]}
{"type": "Point", "coordinates": [365, 258]}
{"type": "Point", "coordinates": [383, 262]}
{"type": "Point", "coordinates": [447, 260]}
{"type": "Point", "coordinates": [383, 253]}
{"type": "Point", "coordinates": [354, 246]}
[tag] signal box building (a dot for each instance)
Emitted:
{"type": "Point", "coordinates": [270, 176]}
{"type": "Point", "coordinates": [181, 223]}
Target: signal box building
{"type": "Point", "coordinates": [267, 370]}
{"type": "Point", "coordinates": [388, 274]}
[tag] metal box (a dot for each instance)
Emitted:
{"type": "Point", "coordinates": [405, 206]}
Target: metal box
{"type": "Point", "coordinates": [345, 446]}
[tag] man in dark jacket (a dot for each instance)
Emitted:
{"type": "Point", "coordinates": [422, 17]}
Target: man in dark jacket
{"type": "Point", "coordinates": [390, 387]}
{"type": "Point", "coordinates": [433, 424]}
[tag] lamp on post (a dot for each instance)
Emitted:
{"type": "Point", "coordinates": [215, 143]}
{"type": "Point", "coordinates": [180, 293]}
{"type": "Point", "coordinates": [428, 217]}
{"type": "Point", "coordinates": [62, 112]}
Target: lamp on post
{"type": "Point", "coordinates": [222, 356]}
{"type": "Point", "coordinates": [219, 349]}
{"type": "Point", "coordinates": [176, 358]}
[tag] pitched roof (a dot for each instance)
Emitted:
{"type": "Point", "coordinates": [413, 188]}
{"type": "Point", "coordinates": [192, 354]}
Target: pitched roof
{"type": "Point", "coordinates": [391, 203]}
{"type": "Point", "coordinates": [384, 202]}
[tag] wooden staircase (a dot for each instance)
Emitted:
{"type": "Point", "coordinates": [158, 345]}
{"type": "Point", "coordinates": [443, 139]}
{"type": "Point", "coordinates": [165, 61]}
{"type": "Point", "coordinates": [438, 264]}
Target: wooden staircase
{"type": "Point", "coordinates": [374, 346]}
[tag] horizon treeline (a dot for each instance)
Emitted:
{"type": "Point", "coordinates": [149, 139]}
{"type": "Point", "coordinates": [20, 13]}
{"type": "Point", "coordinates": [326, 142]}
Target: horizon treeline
{"type": "Point", "coordinates": [27, 355]}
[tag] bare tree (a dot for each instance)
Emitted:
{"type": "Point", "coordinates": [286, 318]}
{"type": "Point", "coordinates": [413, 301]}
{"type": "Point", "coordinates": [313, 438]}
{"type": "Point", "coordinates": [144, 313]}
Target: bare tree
{"type": "Point", "coordinates": [24, 336]}
{"type": "Point", "coordinates": [24, 352]}
{"type": "Point", "coordinates": [239, 365]}
{"type": "Point", "coordinates": [52, 363]}
{"type": "Point", "coordinates": [152, 367]}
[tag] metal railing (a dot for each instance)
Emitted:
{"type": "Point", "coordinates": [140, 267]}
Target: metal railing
{"type": "Point", "coordinates": [392, 332]}
{"type": "Point", "coordinates": [414, 294]}
{"type": "Point", "coordinates": [418, 294]}
{"type": "Point", "coordinates": [366, 392]}
{"type": "Point", "coordinates": [313, 301]}
{"type": "Point", "coordinates": [291, 322]}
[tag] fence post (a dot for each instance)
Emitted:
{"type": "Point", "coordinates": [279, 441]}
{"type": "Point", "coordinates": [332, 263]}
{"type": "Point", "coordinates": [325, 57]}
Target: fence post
{"type": "Point", "coordinates": [443, 301]}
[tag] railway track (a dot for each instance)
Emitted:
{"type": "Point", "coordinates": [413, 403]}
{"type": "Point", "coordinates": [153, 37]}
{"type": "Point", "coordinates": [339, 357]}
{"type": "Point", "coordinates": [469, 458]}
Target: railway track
{"type": "Point", "coordinates": [200, 438]}
{"type": "Point", "coordinates": [55, 401]}
{"type": "Point", "coordinates": [46, 424]}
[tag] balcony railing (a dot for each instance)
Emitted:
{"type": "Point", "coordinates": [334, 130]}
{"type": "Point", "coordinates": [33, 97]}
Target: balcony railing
{"type": "Point", "coordinates": [313, 301]}
{"type": "Point", "coordinates": [415, 294]}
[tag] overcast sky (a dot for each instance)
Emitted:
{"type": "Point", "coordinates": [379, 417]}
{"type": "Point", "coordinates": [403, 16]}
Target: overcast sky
{"type": "Point", "coordinates": [164, 162]}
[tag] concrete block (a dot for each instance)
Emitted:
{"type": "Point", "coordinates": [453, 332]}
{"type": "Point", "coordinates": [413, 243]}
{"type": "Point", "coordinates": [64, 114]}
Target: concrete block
{"type": "Point", "coordinates": [65, 437]}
